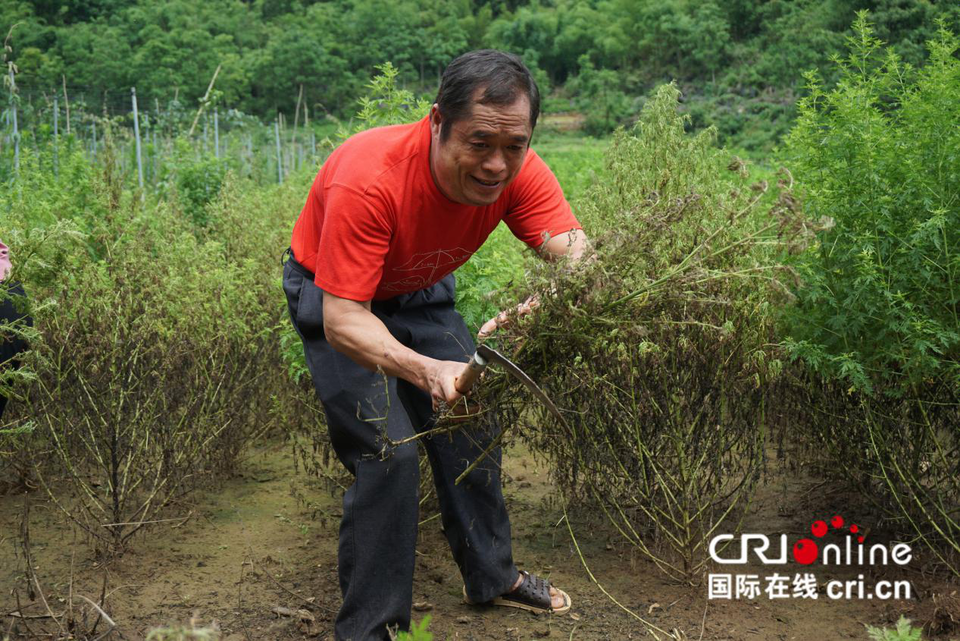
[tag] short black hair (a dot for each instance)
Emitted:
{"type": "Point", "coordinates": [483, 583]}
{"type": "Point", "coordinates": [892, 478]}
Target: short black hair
{"type": "Point", "coordinates": [503, 77]}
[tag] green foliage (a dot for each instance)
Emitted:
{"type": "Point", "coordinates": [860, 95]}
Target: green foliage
{"type": "Point", "coordinates": [877, 155]}
{"type": "Point", "coordinates": [876, 318]}
{"type": "Point", "coordinates": [155, 355]}
{"type": "Point", "coordinates": [599, 97]}
{"type": "Point", "coordinates": [755, 123]}
{"type": "Point", "coordinates": [198, 179]}
{"type": "Point", "coordinates": [41, 244]}
{"type": "Point", "coordinates": [386, 104]}
{"type": "Point", "coordinates": [268, 51]}
{"type": "Point", "coordinates": [418, 632]}
{"type": "Point", "coordinates": [903, 632]}
{"type": "Point", "coordinates": [577, 161]}
{"type": "Point", "coordinates": [484, 280]}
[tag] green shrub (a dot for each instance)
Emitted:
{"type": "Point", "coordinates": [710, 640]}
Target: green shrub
{"type": "Point", "coordinates": [877, 316]}
{"type": "Point", "coordinates": [197, 179]}
{"type": "Point", "coordinates": [42, 237]}
{"type": "Point", "coordinates": [155, 358]}
{"type": "Point", "coordinates": [878, 154]}
{"type": "Point", "coordinates": [385, 104]}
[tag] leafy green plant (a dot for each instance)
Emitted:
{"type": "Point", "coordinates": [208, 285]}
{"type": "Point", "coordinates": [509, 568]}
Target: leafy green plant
{"type": "Point", "coordinates": [903, 632]}
{"type": "Point", "coordinates": [484, 281]}
{"type": "Point", "coordinates": [418, 632]}
{"type": "Point", "coordinates": [877, 319]}
{"type": "Point", "coordinates": [879, 306]}
{"type": "Point", "coordinates": [198, 179]}
{"type": "Point", "coordinates": [155, 355]}
{"type": "Point", "coordinates": [385, 103]}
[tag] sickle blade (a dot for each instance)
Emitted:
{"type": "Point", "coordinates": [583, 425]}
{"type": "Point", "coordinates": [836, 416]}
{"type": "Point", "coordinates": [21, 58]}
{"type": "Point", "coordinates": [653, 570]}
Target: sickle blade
{"type": "Point", "coordinates": [494, 356]}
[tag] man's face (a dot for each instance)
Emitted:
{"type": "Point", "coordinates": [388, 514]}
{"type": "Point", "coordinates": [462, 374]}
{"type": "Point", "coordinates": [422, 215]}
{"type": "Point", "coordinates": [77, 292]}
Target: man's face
{"type": "Point", "coordinates": [483, 152]}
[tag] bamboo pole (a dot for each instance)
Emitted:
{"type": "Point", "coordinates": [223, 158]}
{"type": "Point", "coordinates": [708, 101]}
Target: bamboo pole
{"type": "Point", "coordinates": [16, 130]}
{"type": "Point", "coordinates": [56, 138]}
{"type": "Point", "coordinates": [203, 101]}
{"type": "Point", "coordinates": [276, 135]}
{"type": "Point", "coordinates": [296, 115]}
{"type": "Point", "coordinates": [153, 155]}
{"type": "Point", "coordinates": [216, 132]}
{"type": "Point", "coordinates": [136, 133]}
{"type": "Point", "coordinates": [66, 101]}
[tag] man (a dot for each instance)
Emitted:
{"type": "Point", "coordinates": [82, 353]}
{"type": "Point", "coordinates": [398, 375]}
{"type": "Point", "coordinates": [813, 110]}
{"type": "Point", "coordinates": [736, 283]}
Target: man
{"type": "Point", "coordinates": [370, 288]}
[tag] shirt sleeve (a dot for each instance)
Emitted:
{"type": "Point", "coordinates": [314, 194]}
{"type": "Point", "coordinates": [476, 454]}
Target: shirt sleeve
{"type": "Point", "coordinates": [538, 208]}
{"type": "Point", "coordinates": [4, 261]}
{"type": "Point", "coordinates": [354, 243]}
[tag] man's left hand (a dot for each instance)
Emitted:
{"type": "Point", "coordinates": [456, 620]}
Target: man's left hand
{"type": "Point", "coordinates": [571, 245]}
{"type": "Point", "coordinates": [503, 318]}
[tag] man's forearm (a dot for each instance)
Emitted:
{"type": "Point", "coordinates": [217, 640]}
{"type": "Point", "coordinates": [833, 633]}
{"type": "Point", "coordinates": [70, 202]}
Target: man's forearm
{"type": "Point", "coordinates": [571, 244]}
{"type": "Point", "coordinates": [352, 329]}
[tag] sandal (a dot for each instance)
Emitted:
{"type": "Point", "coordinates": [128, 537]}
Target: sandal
{"type": "Point", "coordinates": [533, 594]}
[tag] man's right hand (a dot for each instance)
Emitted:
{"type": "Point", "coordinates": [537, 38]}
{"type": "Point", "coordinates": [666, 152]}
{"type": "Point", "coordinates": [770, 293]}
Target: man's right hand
{"type": "Point", "coordinates": [441, 382]}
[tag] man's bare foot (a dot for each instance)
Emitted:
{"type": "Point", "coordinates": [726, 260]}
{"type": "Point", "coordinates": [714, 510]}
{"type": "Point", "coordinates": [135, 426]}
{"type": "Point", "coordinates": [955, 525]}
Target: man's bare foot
{"type": "Point", "coordinates": [556, 599]}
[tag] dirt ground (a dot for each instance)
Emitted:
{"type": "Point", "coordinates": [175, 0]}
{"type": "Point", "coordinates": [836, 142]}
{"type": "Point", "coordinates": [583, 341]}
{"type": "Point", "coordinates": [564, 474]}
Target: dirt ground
{"type": "Point", "coordinates": [261, 547]}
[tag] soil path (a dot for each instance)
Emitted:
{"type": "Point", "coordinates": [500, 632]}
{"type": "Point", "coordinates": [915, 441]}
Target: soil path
{"type": "Point", "coordinates": [265, 542]}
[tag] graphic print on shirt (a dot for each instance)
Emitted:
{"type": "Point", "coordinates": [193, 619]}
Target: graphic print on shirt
{"type": "Point", "coordinates": [427, 268]}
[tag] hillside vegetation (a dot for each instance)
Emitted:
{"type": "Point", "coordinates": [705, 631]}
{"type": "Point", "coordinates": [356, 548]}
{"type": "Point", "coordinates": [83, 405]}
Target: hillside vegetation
{"type": "Point", "coordinates": [739, 63]}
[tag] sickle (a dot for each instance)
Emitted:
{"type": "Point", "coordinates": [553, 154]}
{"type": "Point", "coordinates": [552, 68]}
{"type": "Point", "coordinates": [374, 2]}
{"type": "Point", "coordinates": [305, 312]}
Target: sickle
{"type": "Point", "coordinates": [485, 356]}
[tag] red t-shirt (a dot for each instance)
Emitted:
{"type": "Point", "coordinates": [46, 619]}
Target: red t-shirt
{"type": "Point", "coordinates": [375, 225]}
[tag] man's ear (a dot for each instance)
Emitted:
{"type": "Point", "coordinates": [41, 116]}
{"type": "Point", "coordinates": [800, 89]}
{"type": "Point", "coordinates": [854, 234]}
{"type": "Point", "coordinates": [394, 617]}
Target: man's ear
{"type": "Point", "coordinates": [436, 120]}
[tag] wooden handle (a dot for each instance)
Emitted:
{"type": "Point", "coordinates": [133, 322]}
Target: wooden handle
{"type": "Point", "coordinates": [471, 373]}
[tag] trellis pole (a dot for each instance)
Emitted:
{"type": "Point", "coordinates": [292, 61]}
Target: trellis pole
{"type": "Point", "coordinates": [66, 101]}
{"type": "Point", "coordinates": [276, 135]}
{"type": "Point", "coordinates": [136, 134]}
{"type": "Point", "coordinates": [56, 138]}
{"type": "Point", "coordinates": [16, 130]}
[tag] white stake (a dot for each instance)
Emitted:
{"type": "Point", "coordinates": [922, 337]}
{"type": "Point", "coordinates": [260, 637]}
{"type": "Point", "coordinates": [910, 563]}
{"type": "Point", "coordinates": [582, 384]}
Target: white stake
{"type": "Point", "coordinates": [136, 133]}
{"type": "Point", "coordinates": [56, 138]}
{"type": "Point", "coordinates": [276, 134]}
{"type": "Point", "coordinates": [16, 131]}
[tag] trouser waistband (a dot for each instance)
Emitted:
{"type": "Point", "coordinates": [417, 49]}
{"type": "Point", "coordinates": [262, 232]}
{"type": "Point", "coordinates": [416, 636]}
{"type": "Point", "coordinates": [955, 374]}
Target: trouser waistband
{"type": "Point", "coordinates": [288, 254]}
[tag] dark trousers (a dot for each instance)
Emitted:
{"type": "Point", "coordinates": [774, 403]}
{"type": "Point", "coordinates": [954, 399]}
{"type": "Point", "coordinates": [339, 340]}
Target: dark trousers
{"type": "Point", "coordinates": [9, 346]}
{"type": "Point", "coordinates": [378, 531]}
